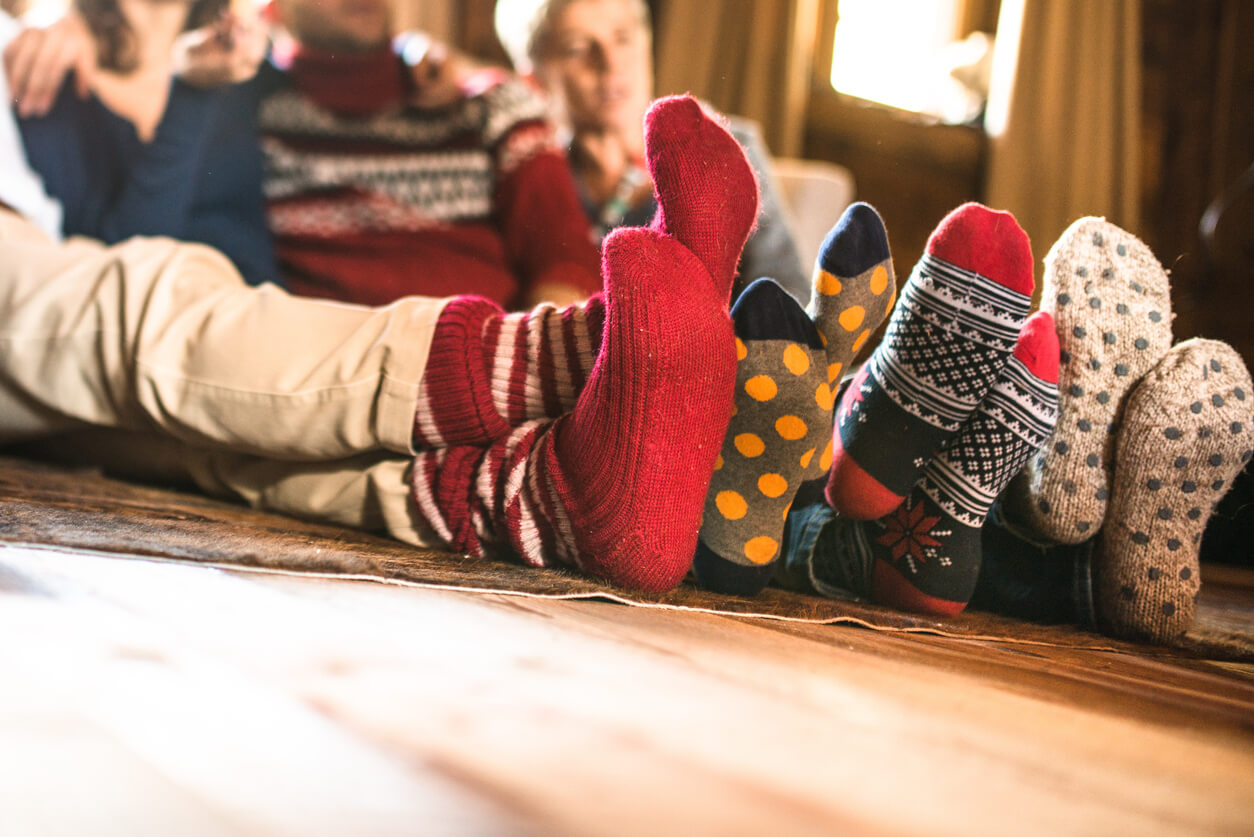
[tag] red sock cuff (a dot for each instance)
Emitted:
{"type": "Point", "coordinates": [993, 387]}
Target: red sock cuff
{"type": "Point", "coordinates": [455, 382]}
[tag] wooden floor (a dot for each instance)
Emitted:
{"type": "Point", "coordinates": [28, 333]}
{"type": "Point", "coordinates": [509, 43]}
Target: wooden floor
{"type": "Point", "coordinates": [143, 697]}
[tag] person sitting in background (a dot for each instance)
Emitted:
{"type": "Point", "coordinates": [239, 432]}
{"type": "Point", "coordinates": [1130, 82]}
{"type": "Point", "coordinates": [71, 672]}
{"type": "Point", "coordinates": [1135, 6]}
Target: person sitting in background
{"type": "Point", "coordinates": [593, 58]}
{"type": "Point", "coordinates": [389, 172]}
{"type": "Point", "coordinates": [156, 135]}
{"type": "Point", "coordinates": [363, 183]}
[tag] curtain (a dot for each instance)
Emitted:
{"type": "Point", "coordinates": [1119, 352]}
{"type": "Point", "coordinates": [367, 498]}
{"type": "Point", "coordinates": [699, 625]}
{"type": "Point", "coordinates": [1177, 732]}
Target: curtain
{"type": "Point", "coordinates": [747, 57]}
{"type": "Point", "coordinates": [1064, 115]}
{"type": "Point", "coordinates": [438, 18]}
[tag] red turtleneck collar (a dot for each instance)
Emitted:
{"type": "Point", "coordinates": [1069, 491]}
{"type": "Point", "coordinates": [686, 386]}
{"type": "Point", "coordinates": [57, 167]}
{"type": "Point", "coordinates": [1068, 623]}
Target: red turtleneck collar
{"type": "Point", "coordinates": [348, 84]}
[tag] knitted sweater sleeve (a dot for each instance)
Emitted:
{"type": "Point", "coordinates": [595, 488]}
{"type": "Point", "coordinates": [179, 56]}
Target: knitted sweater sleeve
{"type": "Point", "coordinates": [547, 238]}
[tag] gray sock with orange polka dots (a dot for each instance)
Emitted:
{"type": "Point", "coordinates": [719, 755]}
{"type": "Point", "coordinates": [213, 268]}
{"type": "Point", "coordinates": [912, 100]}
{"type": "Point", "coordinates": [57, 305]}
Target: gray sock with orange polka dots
{"type": "Point", "coordinates": [854, 286]}
{"type": "Point", "coordinates": [1110, 299]}
{"type": "Point", "coordinates": [1188, 430]}
{"type": "Point", "coordinates": [779, 437]}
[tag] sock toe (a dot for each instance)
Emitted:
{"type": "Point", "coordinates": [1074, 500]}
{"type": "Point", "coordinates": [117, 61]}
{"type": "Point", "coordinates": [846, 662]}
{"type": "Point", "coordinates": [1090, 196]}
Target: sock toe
{"type": "Point", "coordinates": [857, 242]}
{"type": "Point", "coordinates": [988, 242]}
{"type": "Point", "coordinates": [765, 311]}
{"type": "Point", "coordinates": [1038, 347]}
{"type": "Point", "coordinates": [707, 192]}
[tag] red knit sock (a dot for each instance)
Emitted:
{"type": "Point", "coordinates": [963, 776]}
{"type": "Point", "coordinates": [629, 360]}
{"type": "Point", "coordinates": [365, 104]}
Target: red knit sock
{"type": "Point", "coordinates": [617, 486]}
{"type": "Point", "coordinates": [489, 371]}
{"type": "Point", "coordinates": [700, 198]}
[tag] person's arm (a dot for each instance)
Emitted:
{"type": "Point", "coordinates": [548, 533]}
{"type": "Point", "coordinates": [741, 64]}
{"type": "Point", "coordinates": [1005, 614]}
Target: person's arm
{"type": "Point", "coordinates": [159, 193]}
{"type": "Point", "coordinates": [771, 250]}
{"type": "Point", "coordinates": [154, 191]}
{"type": "Point", "coordinates": [20, 188]}
{"type": "Point", "coordinates": [547, 237]}
{"type": "Point", "coordinates": [37, 60]}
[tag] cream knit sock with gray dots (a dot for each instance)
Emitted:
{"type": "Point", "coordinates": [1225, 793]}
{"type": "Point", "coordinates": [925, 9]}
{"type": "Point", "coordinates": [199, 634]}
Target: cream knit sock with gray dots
{"type": "Point", "coordinates": [1188, 430]}
{"type": "Point", "coordinates": [1111, 302]}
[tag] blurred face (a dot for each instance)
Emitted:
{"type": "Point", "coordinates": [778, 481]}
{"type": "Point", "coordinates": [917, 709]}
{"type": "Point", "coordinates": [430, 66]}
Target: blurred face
{"type": "Point", "coordinates": [337, 25]}
{"type": "Point", "coordinates": [597, 66]}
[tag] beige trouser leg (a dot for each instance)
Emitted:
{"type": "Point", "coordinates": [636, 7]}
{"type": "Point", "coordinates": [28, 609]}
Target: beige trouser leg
{"type": "Point", "coordinates": [288, 401]}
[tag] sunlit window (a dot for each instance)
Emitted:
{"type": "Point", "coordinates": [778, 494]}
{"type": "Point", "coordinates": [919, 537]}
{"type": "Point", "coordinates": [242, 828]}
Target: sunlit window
{"type": "Point", "coordinates": [903, 53]}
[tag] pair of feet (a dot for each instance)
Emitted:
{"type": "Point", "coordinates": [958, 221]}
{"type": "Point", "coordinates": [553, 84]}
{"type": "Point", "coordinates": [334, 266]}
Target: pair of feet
{"type": "Point", "coordinates": [588, 436]}
{"type": "Point", "coordinates": [1149, 437]}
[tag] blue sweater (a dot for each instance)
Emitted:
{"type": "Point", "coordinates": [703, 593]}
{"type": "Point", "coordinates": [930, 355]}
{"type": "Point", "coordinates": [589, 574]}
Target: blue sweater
{"type": "Point", "coordinates": [199, 179]}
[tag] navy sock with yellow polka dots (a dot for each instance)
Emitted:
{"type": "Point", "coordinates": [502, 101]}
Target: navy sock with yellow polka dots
{"type": "Point", "coordinates": [779, 437]}
{"type": "Point", "coordinates": [854, 286]}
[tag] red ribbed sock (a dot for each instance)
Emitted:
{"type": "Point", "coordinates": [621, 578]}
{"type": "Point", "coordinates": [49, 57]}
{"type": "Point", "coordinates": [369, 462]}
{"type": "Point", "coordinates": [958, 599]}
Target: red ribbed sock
{"type": "Point", "coordinates": [700, 197]}
{"type": "Point", "coordinates": [617, 486]}
{"type": "Point", "coordinates": [489, 371]}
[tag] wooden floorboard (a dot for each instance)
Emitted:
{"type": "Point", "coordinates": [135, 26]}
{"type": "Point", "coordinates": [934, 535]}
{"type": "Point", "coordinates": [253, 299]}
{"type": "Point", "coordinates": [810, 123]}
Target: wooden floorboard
{"type": "Point", "coordinates": [153, 697]}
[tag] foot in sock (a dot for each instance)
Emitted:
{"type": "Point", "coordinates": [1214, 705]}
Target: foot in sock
{"type": "Point", "coordinates": [854, 286]}
{"type": "Point", "coordinates": [947, 340]}
{"type": "Point", "coordinates": [927, 553]}
{"type": "Point", "coordinates": [1112, 303]}
{"type": "Point", "coordinates": [616, 487]}
{"type": "Point", "coordinates": [779, 436]}
{"type": "Point", "coordinates": [709, 191]}
{"type": "Point", "coordinates": [1188, 430]}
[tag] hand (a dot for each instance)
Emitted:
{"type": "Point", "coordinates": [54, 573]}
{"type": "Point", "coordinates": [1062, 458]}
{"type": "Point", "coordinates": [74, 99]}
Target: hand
{"type": "Point", "coordinates": [226, 52]}
{"type": "Point", "coordinates": [439, 73]}
{"type": "Point", "coordinates": [38, 59]}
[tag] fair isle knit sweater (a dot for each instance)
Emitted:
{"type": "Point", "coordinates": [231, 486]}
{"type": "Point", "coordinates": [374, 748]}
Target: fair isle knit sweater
{"type": "Point", "coordinates": [371, 199]}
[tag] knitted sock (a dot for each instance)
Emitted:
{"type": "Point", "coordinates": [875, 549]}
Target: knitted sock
{"type": "Point", "coordinates": [1111, 300]}
{"type": "Point", "coordinates": [710, 192]}
{"type": "Point", "coordinates": [854, 286]}
{"type": "Point", "coordinates": [947, 340]}
{"type": "Point", "coordinates": [616, 486]}
{"type": "Point", "coordinates": [779, 429]}
{"type": "Point", "coordinates": [1188, 429]}
{"type": "Point", "coordinates": [928, 552]}
{"type": "Point", "coordinates": [489, 371]}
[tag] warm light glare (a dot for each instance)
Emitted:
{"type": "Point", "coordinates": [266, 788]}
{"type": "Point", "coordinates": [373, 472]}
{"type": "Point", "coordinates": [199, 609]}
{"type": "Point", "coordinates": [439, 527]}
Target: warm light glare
{"type": "Point", "coordinates": [890, 51]}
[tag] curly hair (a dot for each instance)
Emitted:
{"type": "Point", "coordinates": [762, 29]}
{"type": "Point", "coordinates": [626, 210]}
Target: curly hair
{"type": "Point", "coordinates": [115, 39]}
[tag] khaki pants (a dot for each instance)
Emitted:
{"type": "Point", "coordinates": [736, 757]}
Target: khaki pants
{"type": "Point", "coordinates": [296, 405]}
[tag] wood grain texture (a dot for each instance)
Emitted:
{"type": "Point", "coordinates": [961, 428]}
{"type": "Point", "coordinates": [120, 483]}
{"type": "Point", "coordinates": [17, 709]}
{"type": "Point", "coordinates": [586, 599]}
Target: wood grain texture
{"type": "Point", "coordinates": [161, 676]}
{"type": "Point", "coordinates": [167, 697]}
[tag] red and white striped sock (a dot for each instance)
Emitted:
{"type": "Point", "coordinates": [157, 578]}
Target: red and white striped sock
{"type": "Point", "coordinates": [617, 486]}
{"type": "Point", "coordinates": [488, 371]}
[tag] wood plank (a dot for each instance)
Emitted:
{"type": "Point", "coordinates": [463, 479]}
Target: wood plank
{"type": "Point", "coordinates": [186, 740]}
{"type": "Point", "coordinates": [578, 717]}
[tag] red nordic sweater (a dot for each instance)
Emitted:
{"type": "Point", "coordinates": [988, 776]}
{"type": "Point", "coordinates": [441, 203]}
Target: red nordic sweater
{"type": "Point", "coordinates": [370, 200]}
